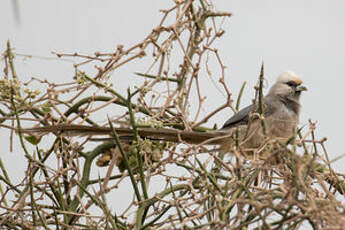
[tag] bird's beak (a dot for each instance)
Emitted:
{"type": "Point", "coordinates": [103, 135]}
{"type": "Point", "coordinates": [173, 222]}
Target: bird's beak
{"type": "Point", "coordinates": [301, 88]}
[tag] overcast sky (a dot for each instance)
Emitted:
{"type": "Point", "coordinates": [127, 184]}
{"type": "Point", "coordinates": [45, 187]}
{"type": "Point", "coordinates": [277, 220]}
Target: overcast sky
{"type": "Point", "coordinates": [305, 36]}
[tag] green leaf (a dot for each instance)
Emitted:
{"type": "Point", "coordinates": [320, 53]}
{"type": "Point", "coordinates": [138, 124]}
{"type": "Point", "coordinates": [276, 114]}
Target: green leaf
{"type": "Point", "coordinates": [34, 140]}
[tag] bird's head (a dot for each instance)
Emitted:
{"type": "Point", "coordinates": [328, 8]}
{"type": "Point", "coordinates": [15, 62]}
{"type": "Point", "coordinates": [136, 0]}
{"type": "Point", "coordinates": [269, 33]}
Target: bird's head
{"type": "Point", "coordinates": [288, 87]}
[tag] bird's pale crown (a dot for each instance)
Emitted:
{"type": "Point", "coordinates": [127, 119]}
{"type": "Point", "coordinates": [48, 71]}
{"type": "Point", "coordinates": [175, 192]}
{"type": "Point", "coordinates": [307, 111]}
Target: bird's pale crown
{"type": "Point", "coordinates": [289, 76]}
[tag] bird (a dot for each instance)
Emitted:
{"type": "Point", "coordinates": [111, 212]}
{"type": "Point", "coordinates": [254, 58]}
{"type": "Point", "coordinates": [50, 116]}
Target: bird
{"type": "Point", "coordinates": [279, 120]}
{"type": "Point", "coordinates": [281, 111]}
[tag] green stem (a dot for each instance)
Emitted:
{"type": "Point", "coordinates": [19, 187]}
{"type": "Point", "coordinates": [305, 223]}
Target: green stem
{"type": "Point", "coordinates": [156, 198]}
{"type": "Point", "coordinates": [261, 106]}
{"type": "Point", "coordinates": [10, 56]}
{"type": "Point", "coordinates": [125, 161]}
{"type": "Point", "coordinates": [136, 139]}
{"type": "Point", "coordinates": [240, 96]}
{"type": "Point", "coordinates": [86, 171]}
{"type": "Point", "coordinates": [155, 77]}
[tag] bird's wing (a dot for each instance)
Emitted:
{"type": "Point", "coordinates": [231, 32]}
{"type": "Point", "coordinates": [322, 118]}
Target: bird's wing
{"type": "Point", "coordinates": [242, 117]}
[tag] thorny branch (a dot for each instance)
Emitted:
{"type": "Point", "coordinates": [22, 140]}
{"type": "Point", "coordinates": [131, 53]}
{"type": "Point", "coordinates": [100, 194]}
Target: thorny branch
{"type": "Point", "coordinates": [64, 188]}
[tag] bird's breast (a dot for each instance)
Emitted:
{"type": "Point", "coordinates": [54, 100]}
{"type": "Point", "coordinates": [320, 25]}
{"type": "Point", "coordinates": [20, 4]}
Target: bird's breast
{"type": "Point", "coordinates": [282, 123]}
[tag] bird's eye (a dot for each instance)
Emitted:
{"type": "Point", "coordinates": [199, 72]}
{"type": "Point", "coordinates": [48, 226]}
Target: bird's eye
{"type": "Point", "coordinates": [291, 83]}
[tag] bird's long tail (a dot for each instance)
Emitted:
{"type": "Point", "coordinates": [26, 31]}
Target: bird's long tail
{"type": "Point", "coordinates": [172, 135]}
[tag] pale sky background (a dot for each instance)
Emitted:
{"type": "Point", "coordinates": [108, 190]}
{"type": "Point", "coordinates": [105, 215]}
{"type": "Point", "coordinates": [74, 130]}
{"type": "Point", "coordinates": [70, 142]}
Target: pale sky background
{"type": "Point", "coordinates": [305, 36]}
